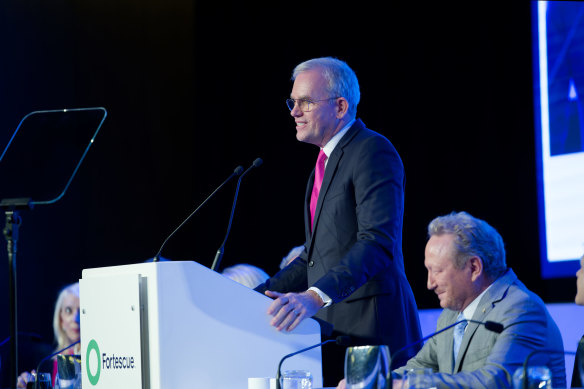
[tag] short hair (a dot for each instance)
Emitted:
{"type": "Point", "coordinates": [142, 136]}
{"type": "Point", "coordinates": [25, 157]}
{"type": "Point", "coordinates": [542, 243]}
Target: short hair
{"type": "Point", "coordinates": [60, 336]}
{"type": "Point", "coordinates": [472, 237]}
{"type": "Point", "coordinates": [292, 255]}
{"type": "Point", "coordinates": [341, 79]}
{"type": "Point", "coordinates": [248, 275]}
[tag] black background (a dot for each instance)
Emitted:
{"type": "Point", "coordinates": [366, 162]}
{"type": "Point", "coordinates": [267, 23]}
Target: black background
{"type": "Point", "coordinates": [195, 88]}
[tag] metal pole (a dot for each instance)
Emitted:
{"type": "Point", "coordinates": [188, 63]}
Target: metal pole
{"type": "Point", "coordinates": [11, 235]}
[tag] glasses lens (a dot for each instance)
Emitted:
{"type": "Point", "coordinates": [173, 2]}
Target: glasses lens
{"type": "Point", "coordinates": [290, 104]}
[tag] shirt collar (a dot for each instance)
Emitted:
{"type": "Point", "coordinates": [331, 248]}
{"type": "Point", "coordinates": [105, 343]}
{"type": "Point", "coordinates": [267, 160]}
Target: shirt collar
{"type": "Point", "coordinates": [469, 311]}
{"type": "Point", "coordinates": [331, 144]}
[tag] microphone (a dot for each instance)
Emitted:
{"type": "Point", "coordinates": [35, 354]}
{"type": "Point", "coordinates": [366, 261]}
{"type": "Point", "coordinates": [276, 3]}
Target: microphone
{"type": "Point", "coordinates": [36, 383]}
{"type": "Point", "coordinates": [238, 170]}
{"type": "Point", "coordinates": [219, 255]}
{"type": "Point", "coordinates": [342, 340]}
{"type": "Point", "coordinates": [489, 325]}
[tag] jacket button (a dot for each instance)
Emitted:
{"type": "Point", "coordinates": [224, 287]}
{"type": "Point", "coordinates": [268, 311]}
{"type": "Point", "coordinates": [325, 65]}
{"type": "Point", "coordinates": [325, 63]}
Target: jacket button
{"type": "Point", "coordinates": [311, 263]}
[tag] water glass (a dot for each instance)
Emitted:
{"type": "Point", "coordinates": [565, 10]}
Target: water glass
{"type": "Point", "coordinates": [43, 381]}
{"type": "Point", "coordinates": [419, 378]}
{"type": "Point", "coordinates": [367, 367]}
{"type": "Point", "coordinates": [296, 379]}
{"type": "Point", "coordinates": [538, 377]}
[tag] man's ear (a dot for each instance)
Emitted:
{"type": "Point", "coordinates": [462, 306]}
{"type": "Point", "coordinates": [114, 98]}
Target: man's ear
{"type": "Point", "coordinates": [341, 107]}
{"type": "Point", "coordinates": [476, 267]}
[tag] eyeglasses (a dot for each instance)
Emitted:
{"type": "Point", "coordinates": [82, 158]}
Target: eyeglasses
{"type": "Point", "coordinates": [304, 104]}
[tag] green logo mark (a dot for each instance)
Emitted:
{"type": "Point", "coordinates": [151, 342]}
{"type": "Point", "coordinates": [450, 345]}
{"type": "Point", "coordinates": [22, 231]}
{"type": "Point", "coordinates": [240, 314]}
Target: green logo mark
{"type": "Point", "coordinates": [92, 346]}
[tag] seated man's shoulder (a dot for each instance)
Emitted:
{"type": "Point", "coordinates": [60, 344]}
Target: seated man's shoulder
{"type": "Point", "coordinates": [521, 297]}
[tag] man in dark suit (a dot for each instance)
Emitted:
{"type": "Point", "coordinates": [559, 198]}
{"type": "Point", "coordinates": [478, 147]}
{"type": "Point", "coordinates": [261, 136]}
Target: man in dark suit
{"type": "Point", "coordinates": [351, 273]}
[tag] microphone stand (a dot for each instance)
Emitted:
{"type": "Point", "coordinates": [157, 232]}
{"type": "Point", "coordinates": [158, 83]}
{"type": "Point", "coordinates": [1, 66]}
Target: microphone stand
{"type": "Point", "coordinates": [220, 250]}
{"type": "Point", "coordinates": [279, 373]}
{"type": "Point", "coordinates": [219, 255]}
{"type": "Point", "coordinates": [525, 380]}
{"type": "Point", "coordinates": [236, 172]}
{"type": "Point", "coordinates": [12, 208]}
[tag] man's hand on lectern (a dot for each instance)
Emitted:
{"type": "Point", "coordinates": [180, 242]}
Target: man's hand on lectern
{"type": "Point", "coordinates": [289, 309]}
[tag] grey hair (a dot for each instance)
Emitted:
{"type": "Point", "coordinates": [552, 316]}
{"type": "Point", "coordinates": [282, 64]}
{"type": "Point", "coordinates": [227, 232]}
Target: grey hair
{"type": "Point", "coordinates": [472, 237]}
{"type": "Point", "coordinates": [248, 275]}
{"type": "Point", "coordinates": [341, 79]}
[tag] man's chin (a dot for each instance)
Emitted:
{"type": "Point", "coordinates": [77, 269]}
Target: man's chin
{"type": "Point", "coordinates": [302, 138]}
{"type": "Point", "coordinates": [444, 304]}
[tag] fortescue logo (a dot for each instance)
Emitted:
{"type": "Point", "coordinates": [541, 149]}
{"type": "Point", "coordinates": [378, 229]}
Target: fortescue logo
{"type": "Point", "coordinates": [93, 379]}
{"type": "Point", "coordinates": [106, 362]}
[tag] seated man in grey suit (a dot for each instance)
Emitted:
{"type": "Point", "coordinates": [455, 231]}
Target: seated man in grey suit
{"type": "Point", "coordinates": [465, 259]}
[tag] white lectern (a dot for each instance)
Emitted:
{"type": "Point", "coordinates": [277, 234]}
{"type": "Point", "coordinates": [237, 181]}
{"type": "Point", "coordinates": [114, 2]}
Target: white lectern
{"type": "Point", "coordinates": [179, 325]}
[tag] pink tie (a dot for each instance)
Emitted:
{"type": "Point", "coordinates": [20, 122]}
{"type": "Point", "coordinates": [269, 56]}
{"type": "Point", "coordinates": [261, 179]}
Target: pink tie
{"type": "Point", "coordinates": [318, 176]}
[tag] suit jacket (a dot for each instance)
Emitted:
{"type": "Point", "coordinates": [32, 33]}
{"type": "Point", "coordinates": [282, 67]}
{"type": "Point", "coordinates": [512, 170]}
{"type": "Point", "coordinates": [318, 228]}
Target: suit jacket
{"type": "Point", "coordinates": [354, 252]}
{"type": "Point", "coordinates": [487, 359]}
{"type": "Point", "coordinates": [578, 372]}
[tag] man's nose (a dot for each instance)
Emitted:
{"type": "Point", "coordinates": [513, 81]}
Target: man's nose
{"type": "Point", "coordinates": [431, 284]}
{"type": "Point", "coordinates": [296, 112]}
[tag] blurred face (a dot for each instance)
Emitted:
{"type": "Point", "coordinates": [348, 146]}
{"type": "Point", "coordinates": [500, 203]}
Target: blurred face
{"type": "Point", "coordinates": [323, 120]}
{"type": "Point", "coordinates": [70, 317]}
{"type": "Point", "coordinates": [580, 283]}
{"type": "Point", "coordinates": [454, 287]}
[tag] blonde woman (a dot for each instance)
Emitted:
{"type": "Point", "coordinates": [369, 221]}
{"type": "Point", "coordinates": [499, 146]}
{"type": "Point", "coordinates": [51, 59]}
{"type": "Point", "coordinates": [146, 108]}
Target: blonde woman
{"type": "Point", "coordinates": [65, 327]}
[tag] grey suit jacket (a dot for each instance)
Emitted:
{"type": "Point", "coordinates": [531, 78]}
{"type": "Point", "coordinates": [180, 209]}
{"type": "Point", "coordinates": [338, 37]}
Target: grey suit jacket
{"type": "Point", "coordinates": [487, 359]}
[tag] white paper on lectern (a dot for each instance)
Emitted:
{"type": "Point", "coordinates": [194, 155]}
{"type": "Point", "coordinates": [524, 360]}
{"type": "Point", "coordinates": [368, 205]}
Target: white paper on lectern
{"type": "Point", "coordinates": [200, 328]}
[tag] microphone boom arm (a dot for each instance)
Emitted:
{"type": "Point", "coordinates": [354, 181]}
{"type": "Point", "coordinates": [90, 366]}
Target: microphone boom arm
{"type": "Point", "coordinates": [236, 172]}
{"type": "Point", "coordinates": [219, 255]}
{"type": "Point", "coordinates": [341, 340]}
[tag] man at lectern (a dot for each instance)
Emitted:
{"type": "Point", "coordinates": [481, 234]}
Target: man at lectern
{"type": "Point", "coordinates": [351, 272]}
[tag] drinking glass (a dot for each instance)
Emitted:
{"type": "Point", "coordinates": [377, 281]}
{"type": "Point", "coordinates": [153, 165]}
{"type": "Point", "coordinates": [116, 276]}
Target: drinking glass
{"type": "Point", "coordinates": [367, 367]}
{"type": "Point", "coordinates": [296, 379]}
{"type": "Point", "coordinates": [419, 378]}
{"type": "Point", "coordinates": [43, 381]}
{"type": "Point", "coordinates": [537, 377]}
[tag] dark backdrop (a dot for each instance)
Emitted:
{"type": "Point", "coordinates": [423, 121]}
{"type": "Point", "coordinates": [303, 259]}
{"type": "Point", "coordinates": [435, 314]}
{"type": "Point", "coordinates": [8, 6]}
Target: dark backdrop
{"type": "Point", "coordinates": [194, 89]}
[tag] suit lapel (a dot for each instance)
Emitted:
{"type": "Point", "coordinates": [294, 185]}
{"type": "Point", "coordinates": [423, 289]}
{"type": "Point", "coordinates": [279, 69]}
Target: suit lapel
{"type": "Point", "coordinates": [331, 170]}
{"type": "Point", "coordinates": [495, 294]}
